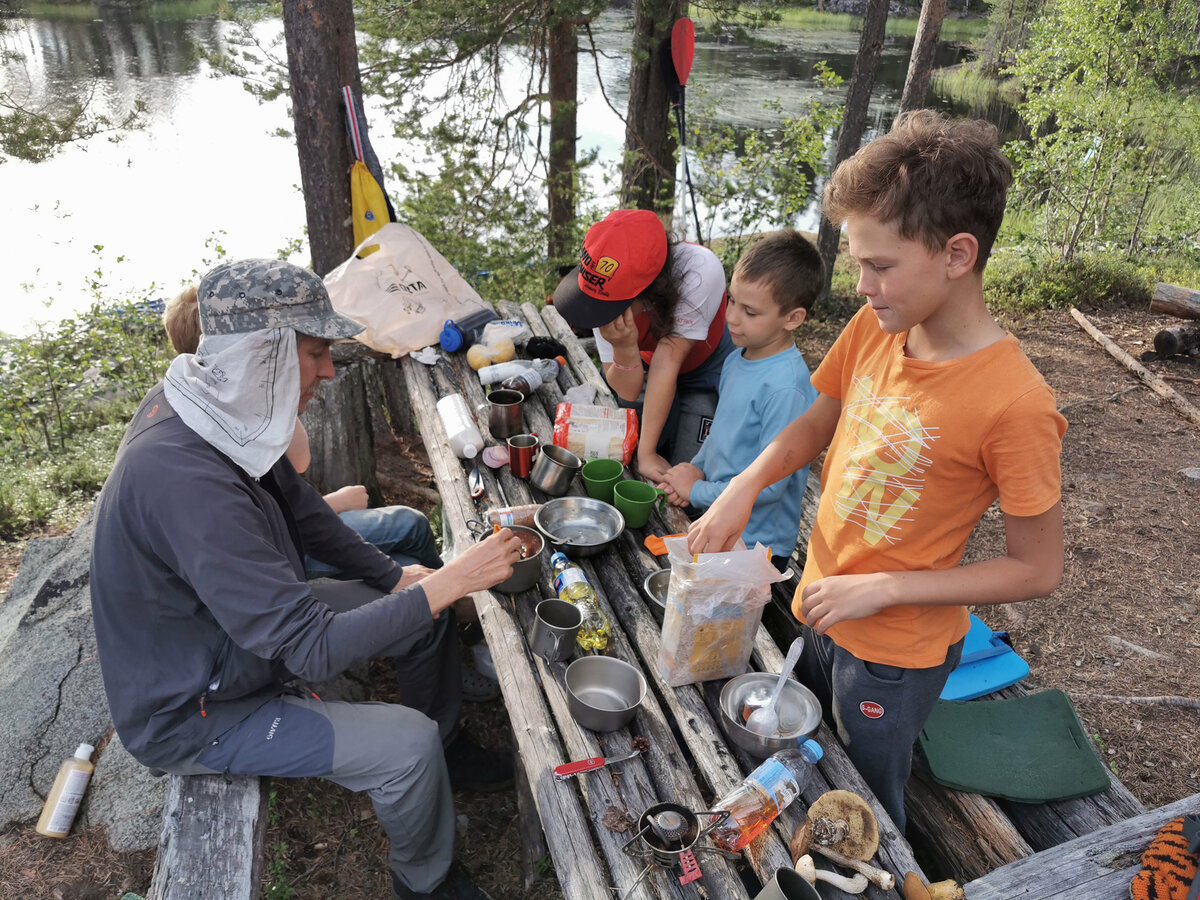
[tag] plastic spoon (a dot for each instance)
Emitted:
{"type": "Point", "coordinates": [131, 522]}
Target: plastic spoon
{"type": "Point", "coordinates": [764, 720]}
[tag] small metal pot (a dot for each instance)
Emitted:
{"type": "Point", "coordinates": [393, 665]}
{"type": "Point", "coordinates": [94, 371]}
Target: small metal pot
{"type": "Point", "coordinates": [527, 569]}
{"type": "Point", "coordinates": [553, 470]}
{"type": "Point", "coordinates": [603, 692]}
{"type": "Point", "coordinates": [656, 585]}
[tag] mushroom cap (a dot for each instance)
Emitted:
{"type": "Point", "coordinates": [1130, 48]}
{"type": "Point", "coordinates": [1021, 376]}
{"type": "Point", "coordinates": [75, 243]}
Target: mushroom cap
{"type": "Point", "coordinates": [914, 887]}
{"type": "Point", "coordinates": [862, 838]}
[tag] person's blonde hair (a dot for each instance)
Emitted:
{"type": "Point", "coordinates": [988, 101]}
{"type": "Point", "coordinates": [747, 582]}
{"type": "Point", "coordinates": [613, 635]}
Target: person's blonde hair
{"type": "Point", "coordinates": [181, 321]}
{"type": "Point", "coordinates": [931, 176]}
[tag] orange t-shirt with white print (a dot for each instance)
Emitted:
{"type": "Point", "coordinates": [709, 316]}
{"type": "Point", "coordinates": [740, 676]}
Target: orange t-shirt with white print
{"type": "Point", "coordinates": [920, 452]}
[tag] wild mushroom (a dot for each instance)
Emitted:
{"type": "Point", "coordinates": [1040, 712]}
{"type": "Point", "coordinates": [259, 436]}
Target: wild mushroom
{"type": "Point", "coordinates": [809, 872]}
{"type": "Point", "coordinates": [847, 834]}
{"type": "Point", "coordinates": [916, 889]}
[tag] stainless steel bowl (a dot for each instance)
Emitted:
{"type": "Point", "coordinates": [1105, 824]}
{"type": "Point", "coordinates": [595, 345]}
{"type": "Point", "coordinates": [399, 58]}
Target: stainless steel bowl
{"type": "Point", "coordinates": [656, 585]}
{"type": "Point", "coordinates": [579, 526]}
{"type": "Point", "coordinates": [603, 692]}
{"type": "Point", "coordinates": [527, 569]}
{"type": "Point", "coordinates": [799, 713]}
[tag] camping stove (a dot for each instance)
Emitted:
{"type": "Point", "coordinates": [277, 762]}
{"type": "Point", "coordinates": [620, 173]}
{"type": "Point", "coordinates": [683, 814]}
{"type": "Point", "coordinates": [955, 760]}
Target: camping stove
{"type": "Point", "coordinates": [668, 838]}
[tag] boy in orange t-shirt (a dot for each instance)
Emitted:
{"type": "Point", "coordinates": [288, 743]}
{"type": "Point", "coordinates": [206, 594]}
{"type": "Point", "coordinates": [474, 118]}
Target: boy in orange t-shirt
{"type": "Point", "coordinates": [930, 411]}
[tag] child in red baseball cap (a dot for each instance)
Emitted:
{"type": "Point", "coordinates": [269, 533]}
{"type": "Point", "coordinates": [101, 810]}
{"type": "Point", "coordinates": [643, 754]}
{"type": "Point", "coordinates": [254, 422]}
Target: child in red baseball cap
{"type": "Point", "coordinates": [657, 309]}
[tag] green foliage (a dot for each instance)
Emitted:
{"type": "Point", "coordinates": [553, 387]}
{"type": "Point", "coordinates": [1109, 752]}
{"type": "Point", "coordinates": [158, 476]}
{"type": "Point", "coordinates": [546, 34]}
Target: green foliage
{"type": "Point", "coordinates": [278, 886]}
{"type": "Point", "coordinates": [494, 234]}
{"type": "Point", "coordinates": [68, 391]}
{"type": "Point", "coordinates": [1109, 102]}
{"type": "Point", "coordinates": [1017, 282]}
{"type": "Point", "coordinates": [969, 85]}
{"type": "Point", "coordinates": [759, 180]}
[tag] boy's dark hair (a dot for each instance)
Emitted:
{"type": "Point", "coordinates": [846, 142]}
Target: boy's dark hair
{"type": "Point", "coordinates": [788, 264]}
{"type": "Point", "coordinates": [931, 176]}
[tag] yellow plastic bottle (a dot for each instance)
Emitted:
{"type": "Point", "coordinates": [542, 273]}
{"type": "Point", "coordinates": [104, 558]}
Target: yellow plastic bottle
{"type": "Point", "coordinates": [64, 798]}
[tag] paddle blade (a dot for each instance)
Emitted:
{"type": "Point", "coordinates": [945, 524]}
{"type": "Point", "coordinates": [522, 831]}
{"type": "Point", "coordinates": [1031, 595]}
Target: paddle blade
{"type": "Point", "coordinates": [683, 48]}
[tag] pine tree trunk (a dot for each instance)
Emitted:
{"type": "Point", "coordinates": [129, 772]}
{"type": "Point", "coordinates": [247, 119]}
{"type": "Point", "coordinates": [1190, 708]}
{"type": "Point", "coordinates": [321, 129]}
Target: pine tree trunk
{"type": "Point", "coordinates": [648, 171]}
{"type": "Point", "coordinates": [322, 57]}
{"type": "Point", "coordinates": [920, 65]}
{"type": "Point", "coordinates": [854, 119]}
{"type": "Point", "coordinates": [564, 64]}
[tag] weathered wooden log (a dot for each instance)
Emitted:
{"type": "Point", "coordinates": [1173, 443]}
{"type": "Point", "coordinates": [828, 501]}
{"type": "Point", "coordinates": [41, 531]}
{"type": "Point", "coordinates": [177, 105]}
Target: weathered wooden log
{"type": "Point", "coordinates": [395, 396]}
{"type": "Point", "coordinates": [533, 842]}
{"type": "Point", "coordinates": [1177, 340]}
{"type": "Point", "coordinates": [1098, 866]}
{"type": "Point", "coordinates": [212, 838]}
{"type": "Point", "coordinates": [563, 819]}
{"type": "Point", "coordinates": [1175, 301]}
{"type": "Point", "coordinates": [338, 421]}
{"type": "Point", "coordinates": [1144, 375]}
{"type": "Point", "coordinates": [966, 833]}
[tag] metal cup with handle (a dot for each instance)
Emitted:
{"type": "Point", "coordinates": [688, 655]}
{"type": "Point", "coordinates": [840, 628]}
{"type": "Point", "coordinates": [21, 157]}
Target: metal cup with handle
{"type": "Point", "coordinates": [555, 624]}
{"type": "Point", "coordinates": [503, 410]}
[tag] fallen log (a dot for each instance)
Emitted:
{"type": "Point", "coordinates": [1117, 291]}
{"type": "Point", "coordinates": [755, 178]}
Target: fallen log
{"type": "Point", "coordinates": [1177, 340]}
{"type": "Point", "coordinates": [1144, 375]}
{"type": "Point", "coordinates": [1174, 300]}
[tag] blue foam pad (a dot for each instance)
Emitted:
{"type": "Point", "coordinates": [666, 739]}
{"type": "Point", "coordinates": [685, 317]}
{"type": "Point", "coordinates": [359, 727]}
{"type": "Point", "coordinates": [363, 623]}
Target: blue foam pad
{"type": "Point", "coordinates": [987, 665]}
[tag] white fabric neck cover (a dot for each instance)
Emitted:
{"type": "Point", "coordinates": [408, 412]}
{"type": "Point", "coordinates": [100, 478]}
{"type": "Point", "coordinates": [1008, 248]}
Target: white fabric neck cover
{"type": "Point", "coordinates": [240, 392]}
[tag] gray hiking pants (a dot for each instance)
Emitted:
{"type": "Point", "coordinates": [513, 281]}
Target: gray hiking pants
{"type": "Point", "coordinates": [876, 710]}
{"type": "Point", "coordinates": [392, 752]}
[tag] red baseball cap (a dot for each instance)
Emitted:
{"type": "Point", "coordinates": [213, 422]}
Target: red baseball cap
{"type": "Point", "coordinates": [622, 254]}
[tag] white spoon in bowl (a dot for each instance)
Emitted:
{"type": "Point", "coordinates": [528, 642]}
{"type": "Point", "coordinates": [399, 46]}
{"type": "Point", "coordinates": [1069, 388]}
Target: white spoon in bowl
{"type": "Point", "coordinates": [764, 720]}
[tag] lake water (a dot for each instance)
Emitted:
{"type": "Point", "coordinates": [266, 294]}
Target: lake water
{"type": "Point", "coordinates": [135, 218]}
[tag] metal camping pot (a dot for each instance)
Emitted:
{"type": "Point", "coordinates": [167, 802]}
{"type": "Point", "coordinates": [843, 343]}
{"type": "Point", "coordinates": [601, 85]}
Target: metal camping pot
{"type": "Point", "coordinates": [553, 470]}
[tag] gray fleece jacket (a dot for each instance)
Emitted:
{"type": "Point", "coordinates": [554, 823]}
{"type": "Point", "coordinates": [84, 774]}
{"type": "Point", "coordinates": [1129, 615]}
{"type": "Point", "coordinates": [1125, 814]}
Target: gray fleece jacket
{"type": "Point", "coordinates": [199, 599]}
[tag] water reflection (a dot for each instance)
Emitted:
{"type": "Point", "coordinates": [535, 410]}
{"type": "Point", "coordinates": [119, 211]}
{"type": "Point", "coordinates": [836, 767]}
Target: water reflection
{"type": "Point", "coordinates": [208, 168]}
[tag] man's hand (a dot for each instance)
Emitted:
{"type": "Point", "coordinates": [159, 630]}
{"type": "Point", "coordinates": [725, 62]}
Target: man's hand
{"type": "Point", "coordinates": [480, 566]}
{"type": "Point", "coordinates": [411, 575]}
{"type": "Point", "coordinates": [651, 465]}
{"type": "Point", "coordinates": [622, 331]}
{"type": "Point", "coordinates": [720, 528]}
{"type": "Point", "coordinates": [344, 499]}
{"type": "Point", "coordinates": [840, 598]}
{"type": "Point", "coordinates": [678, 482]}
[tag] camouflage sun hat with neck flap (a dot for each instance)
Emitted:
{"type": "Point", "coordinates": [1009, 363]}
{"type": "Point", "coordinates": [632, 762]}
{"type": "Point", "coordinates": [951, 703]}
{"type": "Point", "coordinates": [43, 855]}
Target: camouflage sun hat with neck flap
{"type": "Point", "coordinates": [244, 295]}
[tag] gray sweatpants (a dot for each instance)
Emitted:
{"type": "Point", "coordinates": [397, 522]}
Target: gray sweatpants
{"type": "Point", "coordinates": [392, 752]}
{"type": "Point", "coordinates": [876, 710]}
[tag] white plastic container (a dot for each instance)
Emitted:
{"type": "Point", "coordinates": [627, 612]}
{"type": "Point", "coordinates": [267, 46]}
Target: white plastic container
{"type": "Point", "coordinates": [62, 803]}
{"type": "Point", "coordinates": [465, 439]}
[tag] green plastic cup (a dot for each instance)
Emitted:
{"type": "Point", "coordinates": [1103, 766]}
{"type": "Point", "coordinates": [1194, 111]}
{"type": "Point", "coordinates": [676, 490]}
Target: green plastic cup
{"type": "Point", "coordinates": [636, 500]}
{"type": "Point", "coordinates": [600, 476]}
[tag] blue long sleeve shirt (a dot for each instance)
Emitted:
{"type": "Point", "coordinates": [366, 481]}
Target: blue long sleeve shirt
{"type": "Point", "coordinates": [758, 399]}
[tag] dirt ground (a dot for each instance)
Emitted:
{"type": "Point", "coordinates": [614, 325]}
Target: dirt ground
{"type": "Point", "coordinates": [1120, 636]}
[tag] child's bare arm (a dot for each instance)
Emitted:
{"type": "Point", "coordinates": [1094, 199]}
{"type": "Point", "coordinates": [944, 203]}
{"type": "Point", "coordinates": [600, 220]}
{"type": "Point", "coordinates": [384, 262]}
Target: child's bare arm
{"type": "Point", "coordinates": [795, 447]}
{"type": "Point", "coordinates": [1031, 567]}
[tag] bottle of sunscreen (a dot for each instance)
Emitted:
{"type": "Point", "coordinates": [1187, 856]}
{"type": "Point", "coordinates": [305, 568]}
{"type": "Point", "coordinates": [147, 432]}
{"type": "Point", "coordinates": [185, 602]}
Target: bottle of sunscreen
{"type": "Point", "coordinates": [63, 801]}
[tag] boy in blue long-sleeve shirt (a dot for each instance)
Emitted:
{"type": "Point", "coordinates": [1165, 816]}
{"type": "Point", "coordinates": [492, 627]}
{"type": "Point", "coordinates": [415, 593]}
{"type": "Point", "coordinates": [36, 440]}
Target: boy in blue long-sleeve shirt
{"type": "Point", "coordinates": [764, 386]}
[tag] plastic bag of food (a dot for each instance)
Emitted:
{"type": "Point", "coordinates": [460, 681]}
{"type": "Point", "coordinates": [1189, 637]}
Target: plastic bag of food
{"type": "Point", "coordinates": [714, 607]}
{"type": "Point", "coordinates": [596, 432]}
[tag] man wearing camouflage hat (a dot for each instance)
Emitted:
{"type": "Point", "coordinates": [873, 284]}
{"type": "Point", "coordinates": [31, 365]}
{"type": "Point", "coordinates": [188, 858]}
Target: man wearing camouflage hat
{"type": "Point", "coordinates": [203, 616]}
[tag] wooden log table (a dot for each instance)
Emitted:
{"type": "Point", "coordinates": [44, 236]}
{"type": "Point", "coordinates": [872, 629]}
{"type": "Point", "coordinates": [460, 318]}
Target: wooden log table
{"type": "Point", "coordinates": [689, 760]}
